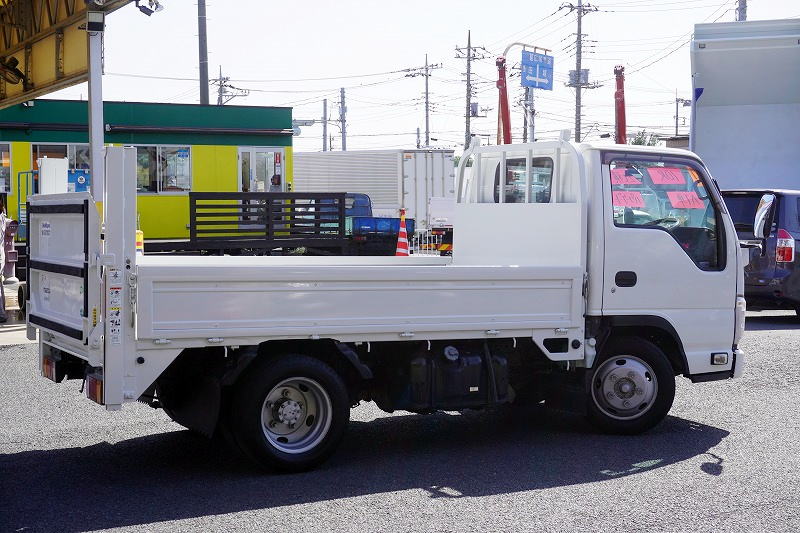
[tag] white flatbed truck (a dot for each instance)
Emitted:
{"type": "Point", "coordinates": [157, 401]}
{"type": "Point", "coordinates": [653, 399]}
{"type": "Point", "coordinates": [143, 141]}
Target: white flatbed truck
{"type": "Point", "coordinates": [608, 275]}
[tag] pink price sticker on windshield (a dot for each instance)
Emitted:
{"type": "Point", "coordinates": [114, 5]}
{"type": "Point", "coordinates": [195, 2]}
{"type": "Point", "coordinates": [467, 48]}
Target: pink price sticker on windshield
{"type": "Point", "coordinates": [619, 177]}
{"type": "Point", "coordinates": [685, 200]}
{"type": "Point", "coordinates": [666, 175]}
{"type": "Point", "coordinates": [627, 198]}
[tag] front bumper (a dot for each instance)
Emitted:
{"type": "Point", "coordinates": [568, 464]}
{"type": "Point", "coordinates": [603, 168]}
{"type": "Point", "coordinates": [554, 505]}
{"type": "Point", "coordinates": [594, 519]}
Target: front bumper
{"type": "Point", "coordinates": [736, 371]}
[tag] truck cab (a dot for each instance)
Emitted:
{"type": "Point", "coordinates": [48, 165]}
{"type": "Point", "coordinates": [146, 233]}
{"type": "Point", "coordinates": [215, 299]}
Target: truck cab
{"type": "Point", "coordinates": [648, 226]}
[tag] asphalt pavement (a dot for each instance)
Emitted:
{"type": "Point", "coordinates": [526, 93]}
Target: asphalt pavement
{"type": "Point", "coordinates": [726, 459]}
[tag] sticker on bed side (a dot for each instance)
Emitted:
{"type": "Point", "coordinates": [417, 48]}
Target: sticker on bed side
{"type": "Point", "coordinates": [666, 175]}
{"type": "Point", "coordinates": [619, 176]}
{"type": "Point", "coordinates": [627, 198]}
{"type": "Point", "coordinates": [685, 200]}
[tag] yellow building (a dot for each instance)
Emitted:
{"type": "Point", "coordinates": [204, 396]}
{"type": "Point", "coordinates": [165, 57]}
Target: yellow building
{"type": "Point", "coordinates": [180, 148]}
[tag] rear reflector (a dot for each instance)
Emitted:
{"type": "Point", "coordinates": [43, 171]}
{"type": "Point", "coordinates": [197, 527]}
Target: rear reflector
{"type": "Point", "coordinates": [784, 253]}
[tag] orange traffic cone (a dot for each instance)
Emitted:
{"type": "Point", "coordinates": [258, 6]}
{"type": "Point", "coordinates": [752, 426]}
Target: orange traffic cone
{"type": "Point", "coordinates": [402, 236]}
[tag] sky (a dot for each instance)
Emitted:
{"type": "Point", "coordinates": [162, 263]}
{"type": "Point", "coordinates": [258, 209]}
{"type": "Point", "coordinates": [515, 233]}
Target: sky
{"type": "Point", "coordinates": [296, 54]}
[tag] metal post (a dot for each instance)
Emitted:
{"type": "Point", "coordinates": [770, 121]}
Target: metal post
{"type": "Point", "coordinates": [578, 46]}
{"type": "Point", "coordinates": [467, 135]}
{"type": "Point", "coordinates": [96, 126]}
{"type": "Point", "coordinates": [203, 44]}
{"type": "Point", "coordinates": [427, 107]}
{"type": "Point", "coordinates": [343, 119]}
{"type": "Point", "coordinates": [325, 125]}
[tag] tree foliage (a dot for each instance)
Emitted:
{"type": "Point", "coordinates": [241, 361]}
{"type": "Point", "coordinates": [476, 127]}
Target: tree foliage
{"type": "Point", "coordinates": [643, 138]}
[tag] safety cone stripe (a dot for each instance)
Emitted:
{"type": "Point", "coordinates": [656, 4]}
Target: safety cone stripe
{"type": "Point", "coordinates": [402, 236]}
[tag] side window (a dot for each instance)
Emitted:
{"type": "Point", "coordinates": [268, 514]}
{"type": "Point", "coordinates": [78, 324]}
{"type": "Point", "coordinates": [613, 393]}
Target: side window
{"type": "Point", "coordinates": [516, 181]}
{"type": "Point", "coordinates": [669, 197]}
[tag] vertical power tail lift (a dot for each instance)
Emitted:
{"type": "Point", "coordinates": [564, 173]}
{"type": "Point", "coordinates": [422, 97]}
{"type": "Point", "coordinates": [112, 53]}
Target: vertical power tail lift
{"type": "Point", "coordinates": [503, 112]}
{"type": "Point", "coordinates": [619, 106]}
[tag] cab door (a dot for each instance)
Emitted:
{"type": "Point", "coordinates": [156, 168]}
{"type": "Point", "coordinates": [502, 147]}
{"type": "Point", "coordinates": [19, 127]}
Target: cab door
{"type": "Point", "coordinates": [667, 253]}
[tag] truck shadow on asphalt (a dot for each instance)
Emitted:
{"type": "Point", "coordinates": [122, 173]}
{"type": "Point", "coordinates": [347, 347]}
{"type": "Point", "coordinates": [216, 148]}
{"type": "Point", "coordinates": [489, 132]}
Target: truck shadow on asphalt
{"type": "Point", "coordinates": [767, 322]}
{"type": "Point", "coordinates": [179, 475]}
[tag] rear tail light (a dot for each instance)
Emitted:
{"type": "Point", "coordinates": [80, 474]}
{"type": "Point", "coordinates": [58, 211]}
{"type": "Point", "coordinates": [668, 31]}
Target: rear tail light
{"type": "Point", "coordinates": [94, 387]}
{"type": "Point", "coordinates": [784, 253]}
{"type": "Point", "coordinates": [49, 368]}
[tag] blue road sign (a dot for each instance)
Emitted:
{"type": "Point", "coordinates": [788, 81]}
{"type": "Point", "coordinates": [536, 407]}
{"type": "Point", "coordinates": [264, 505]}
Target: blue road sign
{"type": "Point", "coordinates": [537, 70]}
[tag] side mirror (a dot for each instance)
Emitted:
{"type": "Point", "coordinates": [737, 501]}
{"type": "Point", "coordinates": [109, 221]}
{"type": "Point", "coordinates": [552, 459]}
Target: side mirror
{"type": "Point", "coordinates": [762, 225]}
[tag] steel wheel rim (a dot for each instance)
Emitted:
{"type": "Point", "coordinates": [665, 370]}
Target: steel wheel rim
{"type": "Point", "coordinates": [296, 415]}
{"type": "Point", "coordinates": [624, 387]}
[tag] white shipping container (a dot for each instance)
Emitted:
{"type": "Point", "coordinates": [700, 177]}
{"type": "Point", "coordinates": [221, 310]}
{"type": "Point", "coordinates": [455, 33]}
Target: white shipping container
{"type": "Point", "coordinates": [393, 179]}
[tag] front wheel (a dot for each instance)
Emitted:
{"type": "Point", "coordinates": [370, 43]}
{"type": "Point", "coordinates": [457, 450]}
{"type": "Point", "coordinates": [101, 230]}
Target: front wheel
{"type": "Point", "coordinates": [632, 387]}
{"type": "Point", "coordinates": [290, 412]}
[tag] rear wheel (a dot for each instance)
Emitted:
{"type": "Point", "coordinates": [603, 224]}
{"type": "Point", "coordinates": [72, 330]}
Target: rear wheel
{"type": "Point", "coordinates": [289, 413]}
{"type": "Point", "coordinates": [632, 387]}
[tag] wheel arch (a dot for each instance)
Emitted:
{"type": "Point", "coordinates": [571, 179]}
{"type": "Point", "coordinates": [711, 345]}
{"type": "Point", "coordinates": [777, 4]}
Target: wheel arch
{"type": "Point", "coordinates": [200, 379]}
{"type": "Point", "coordinates": [651, 328]}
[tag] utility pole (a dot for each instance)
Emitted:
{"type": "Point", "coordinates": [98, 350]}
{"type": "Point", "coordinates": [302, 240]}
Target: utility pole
{"type": "Point", "coordinates": [525, 116]}
{"type": "Point", "coordinates": [343, 119]}
{"type": "Point", "coordinates": [427, 106]}
{"type": "Point", "coordinates": [578, 50]}
{"type": "Point", "coordinates": [530, 115]}
{"type": "Point", "coordinates": [469, 53]}
{"type": "Point", "coordinates": [220, 87]}
{"type": "Point", "coordinates": [678, 101]}
{"type": "Point", "coordinates": [467, 133]}
{"type": "Point", "coordinates": [425, 71]}
{"type": "Point", "coordinates": [324, 124]}
{"type": "Point", "coordinates": [203, 44]}
{"type": "Point", "coordinates": [225, 91]}
{"type": "Point", "coordinates": [577, 81]}
{"type": "Point", "coordinates": [741, 11]}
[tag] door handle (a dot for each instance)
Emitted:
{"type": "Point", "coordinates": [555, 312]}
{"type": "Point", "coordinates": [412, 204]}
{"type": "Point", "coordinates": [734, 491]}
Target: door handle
{"type": "Point", "coordinates": [625, 278]}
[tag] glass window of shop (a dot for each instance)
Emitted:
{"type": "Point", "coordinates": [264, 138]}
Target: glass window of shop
{"type": "Point", "coordinates": [163, 169]}
{"type": "Point", "coordinates": [5, 168]}
{"type": "Point", "coordinates": [78, 154]}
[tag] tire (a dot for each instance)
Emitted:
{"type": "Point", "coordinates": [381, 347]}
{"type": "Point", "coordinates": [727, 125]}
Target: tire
{"type": "Point", "coordinates": [638, 399]}
{"type": "Point", "coordinates": [289, 413]}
